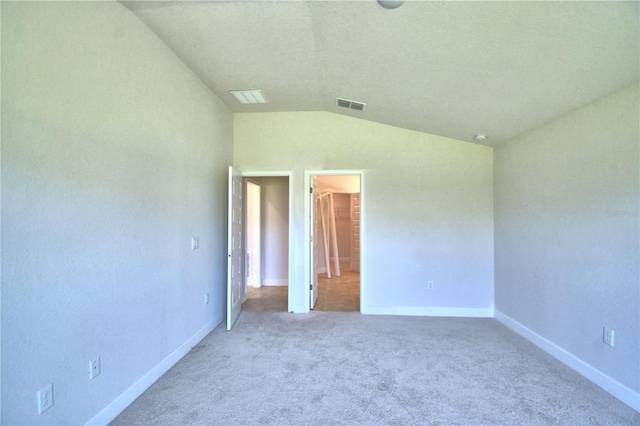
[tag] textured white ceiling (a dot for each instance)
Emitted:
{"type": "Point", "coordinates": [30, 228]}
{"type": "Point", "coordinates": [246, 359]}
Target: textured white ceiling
{"type": "Point", "coordinates": [447, 68]}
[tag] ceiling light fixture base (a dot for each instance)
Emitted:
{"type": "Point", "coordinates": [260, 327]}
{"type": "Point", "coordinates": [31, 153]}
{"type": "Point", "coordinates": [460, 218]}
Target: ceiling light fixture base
{"type": "Point", "coordinates": [390, 4]}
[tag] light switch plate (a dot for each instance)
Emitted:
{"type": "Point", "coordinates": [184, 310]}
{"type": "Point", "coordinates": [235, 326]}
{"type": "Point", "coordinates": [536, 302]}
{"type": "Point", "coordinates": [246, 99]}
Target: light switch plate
{"type": "Point", "coordinates": [94, 368]}
{"type": "Point", "coordinates": [607, 336]}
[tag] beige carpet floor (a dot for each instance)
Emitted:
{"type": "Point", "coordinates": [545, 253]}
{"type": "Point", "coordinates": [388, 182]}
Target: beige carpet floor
{"type": "Point", "coordinates": [328, 368]}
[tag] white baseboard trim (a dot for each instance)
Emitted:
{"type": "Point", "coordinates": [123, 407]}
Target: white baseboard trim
{"type": "Point", "coordinates": [275, 283]}
{"type": "Point", "coordinates": [615, 388]}
{"type": "Point", "coordinates": [117, 406]}
{"type": "Point", "coordinates": [424, 311]}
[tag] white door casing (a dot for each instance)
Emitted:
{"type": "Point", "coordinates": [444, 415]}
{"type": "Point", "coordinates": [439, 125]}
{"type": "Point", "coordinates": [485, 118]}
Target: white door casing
{"type": "Point", "coordinates": [313, 279]}
{"type": "Point", "coordinates": [308, 205]}
{"type": "Point", "coordinates": [295, 289]}
{"type": "Point", "coordinates": [235, 256]}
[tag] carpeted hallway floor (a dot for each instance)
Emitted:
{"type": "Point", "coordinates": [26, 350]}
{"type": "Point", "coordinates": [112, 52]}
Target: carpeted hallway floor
{"type": "Point", "coordinates": [345, 368]}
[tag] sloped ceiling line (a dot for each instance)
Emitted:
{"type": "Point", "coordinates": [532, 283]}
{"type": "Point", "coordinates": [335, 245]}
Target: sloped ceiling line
{"type": "Point", "coordinates": [453, 69]}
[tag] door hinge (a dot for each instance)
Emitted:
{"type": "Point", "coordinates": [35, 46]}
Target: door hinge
{"type": "Point", "coordinates": [311, 287]}
{"type": "Point", "coordinates": [311, 190]}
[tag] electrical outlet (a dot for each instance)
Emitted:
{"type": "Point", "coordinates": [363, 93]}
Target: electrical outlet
{"type": "Point", "coordinates": [45, 398]}
{"type": "Point", "coordinates": [607, 336]}
{"type": "Point", "coordinates": [206, 298]}
{"type": "Point", "coordinates": [94, 368]}
{"type": "Point", "coordinates": [195, 243]}
{"type": "Point", "coordinates": [430, 285]}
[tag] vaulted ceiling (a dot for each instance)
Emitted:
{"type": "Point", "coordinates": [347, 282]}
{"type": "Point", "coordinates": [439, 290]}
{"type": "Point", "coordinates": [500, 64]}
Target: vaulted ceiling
{"type": "Point", "coordinates": [448, 68]}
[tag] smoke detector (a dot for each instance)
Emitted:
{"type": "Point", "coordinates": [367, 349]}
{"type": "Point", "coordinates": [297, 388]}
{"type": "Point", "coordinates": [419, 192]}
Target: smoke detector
{"type": "Point", "coordinates": [346, 103]}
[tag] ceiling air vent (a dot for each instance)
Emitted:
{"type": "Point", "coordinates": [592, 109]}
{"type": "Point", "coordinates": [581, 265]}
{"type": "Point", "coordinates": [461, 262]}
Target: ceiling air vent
{"type": "Point", "coordinates": [249, 96]}
{"type": "Point", "coordinates": [346, 103]}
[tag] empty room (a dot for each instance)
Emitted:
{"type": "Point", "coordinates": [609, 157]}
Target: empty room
{"type": "Point", "coordinates": [496, 147]}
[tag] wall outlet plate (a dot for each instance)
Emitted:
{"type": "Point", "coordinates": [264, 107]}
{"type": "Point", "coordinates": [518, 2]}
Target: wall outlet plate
{"type": "Point", "coordinates": [607, 336]}
{"type": "Point", "coordinates": [45, 398]}
{"type": "Point", "coordinates": [430, 284]}
{"type": "Point", "coordinates": [206, 298]}
{"type": "Point", "coordinates": [195, 243]}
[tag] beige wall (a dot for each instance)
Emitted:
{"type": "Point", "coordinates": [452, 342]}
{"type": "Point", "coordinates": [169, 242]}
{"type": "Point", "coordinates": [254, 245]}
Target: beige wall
{"type": "Point", "coordinates": [114, 154]}
{"type": "Point", "coordinates": [428, 205]}
{"type": "Point", "coordinates": [567, 239]}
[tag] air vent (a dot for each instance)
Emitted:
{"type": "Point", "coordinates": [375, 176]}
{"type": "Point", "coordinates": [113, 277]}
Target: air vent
{"type": "Point", "coordinates": [249, 96]}
{"type": "Point", "coordinates": [346, 103]}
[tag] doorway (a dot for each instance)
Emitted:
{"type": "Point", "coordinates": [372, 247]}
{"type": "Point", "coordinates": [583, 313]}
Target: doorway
{"type": "Point", "coordinates": [237, 283]}
{"type": "Point", "coordinates": [254, 233]}
{"type": "Point", "coordinates": [267, 243]}
{"type": "Point", "coordinates": [335, 235]}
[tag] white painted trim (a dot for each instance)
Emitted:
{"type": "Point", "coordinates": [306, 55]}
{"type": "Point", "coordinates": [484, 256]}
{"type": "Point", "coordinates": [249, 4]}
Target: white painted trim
{"type": "Point", "coordinates": [259, 174]}
{"type": "Point", "coordinates": [275, 283]}
{"type": "Point", "coordinates": [288, 174]}
{"type": "Point", "coordinates": [615, 388]}
{"type": "Point", "coordinates": [307, 232]}
{"type": "Point", "coordinates": [426, 311]}
{"type": "Point", "coordinates": [117, 406]}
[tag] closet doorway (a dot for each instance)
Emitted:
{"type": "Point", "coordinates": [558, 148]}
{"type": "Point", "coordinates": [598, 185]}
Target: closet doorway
{"type": "Point", "coordinates": [335, 230]}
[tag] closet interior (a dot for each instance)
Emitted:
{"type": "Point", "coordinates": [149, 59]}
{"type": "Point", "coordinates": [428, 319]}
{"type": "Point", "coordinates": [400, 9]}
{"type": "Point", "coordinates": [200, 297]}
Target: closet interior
{"type": "Point", "coordinates": [338, 224]}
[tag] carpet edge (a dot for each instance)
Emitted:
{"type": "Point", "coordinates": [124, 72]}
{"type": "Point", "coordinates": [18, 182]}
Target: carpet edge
{"type": "Point", "coordinates": [118, 405]}
{"type": "Point", "coordinates": [612, 386]}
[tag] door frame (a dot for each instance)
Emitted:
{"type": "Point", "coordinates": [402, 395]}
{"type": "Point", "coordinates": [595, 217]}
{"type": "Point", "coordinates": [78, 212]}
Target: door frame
{"type": "Point", "coordinates": [288, 174]}
{"type": "Point", "coordinates": [307, 229]}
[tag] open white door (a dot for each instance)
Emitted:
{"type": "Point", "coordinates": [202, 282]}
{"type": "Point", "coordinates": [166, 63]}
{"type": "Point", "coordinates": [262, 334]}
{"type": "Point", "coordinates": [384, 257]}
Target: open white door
{"type": "Point", "coordinates": [234, 244]}
{"type": "Point", "coordinates": [313, 211]}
